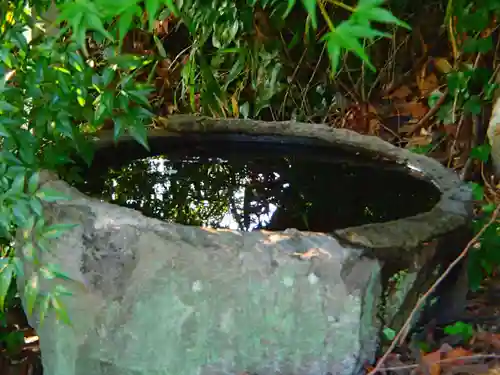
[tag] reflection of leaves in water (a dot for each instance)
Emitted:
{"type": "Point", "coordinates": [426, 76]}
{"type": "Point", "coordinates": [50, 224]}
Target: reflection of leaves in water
{"type": "Point", "coordinates": [197, 192]}
{"type": "Point", "coordinates": [183, 192]}
{"type": "Point", "coordinates": [261, 192]}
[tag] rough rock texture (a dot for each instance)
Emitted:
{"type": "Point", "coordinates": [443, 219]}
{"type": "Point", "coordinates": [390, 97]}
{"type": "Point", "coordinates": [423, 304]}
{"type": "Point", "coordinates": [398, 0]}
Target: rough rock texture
{"type": "Point", "coordinates": [172, 299]}
{"type": "Point", "coordinates": [158, 298]}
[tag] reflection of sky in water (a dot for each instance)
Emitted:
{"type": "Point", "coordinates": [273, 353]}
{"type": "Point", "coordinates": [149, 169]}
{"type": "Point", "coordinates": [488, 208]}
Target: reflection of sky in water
{"type": "Point", "coordinates": [228, 221]}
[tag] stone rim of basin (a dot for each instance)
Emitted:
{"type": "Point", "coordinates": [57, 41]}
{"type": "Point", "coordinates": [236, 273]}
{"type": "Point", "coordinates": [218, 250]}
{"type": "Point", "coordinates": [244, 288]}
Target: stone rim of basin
{"type": "Point", "coordinates": [451, 212]}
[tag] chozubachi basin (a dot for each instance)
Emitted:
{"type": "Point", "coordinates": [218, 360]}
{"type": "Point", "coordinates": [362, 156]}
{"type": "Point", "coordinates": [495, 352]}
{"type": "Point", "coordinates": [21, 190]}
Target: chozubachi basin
{"type": "Point", "coordinates": [236, 246]}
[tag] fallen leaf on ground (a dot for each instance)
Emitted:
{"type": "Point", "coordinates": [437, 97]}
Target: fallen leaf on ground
{"type": "Point", "coordinates": [431, 360]}
{"type": "Point", "coordinates": [457, 356]}
{"type": "Point", "coordinates": [490, 338]}
{"type": "Point", "coordinates": [428, 84]}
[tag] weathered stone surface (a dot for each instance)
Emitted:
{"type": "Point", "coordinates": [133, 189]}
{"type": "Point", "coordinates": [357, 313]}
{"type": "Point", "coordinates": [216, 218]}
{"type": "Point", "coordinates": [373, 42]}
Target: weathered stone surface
{"type": "Point", "coordinates": [158, 298]}
{"type": "Point", "coordinates": [164, 299]}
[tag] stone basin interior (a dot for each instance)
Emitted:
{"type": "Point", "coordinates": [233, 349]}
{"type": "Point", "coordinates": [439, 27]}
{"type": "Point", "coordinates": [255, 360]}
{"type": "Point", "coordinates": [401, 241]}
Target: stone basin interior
{"type": "Point", "coordinates": [248, 183]}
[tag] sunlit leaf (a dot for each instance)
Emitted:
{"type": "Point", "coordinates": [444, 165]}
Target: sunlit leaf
{"type": "Point", "coordinates": [50, 195]}
{"type": "Point", "coordinates": [57, 230]}
{"type": "Point", "coordinates": [6, 276]}
{"type": "Point", "coordinates": [31, 291]}
{"type": "Point", "coordinates": [310, 6]}
{"type": "Point", "coordinates": [60, 309]}
{"type": "Point", "coordinates": [33, 182]}
{"type": "Point", "coordinates": [152, 7]}
{"type": "Point", "coordinates": [125, 22]}
{"type": "Point", "coordinates": [44, 308]}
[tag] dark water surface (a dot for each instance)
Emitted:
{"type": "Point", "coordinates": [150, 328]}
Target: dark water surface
{"type": "Point", "coordinates": [249, 183]}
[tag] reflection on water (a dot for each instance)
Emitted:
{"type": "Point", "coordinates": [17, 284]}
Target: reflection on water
{"type": "Point", "coordinates": [251, 188]}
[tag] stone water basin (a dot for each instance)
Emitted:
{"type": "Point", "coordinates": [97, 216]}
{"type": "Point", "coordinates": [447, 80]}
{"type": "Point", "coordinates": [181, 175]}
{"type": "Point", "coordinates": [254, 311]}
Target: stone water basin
{"type": "Point", "coordinates": [237, 245]}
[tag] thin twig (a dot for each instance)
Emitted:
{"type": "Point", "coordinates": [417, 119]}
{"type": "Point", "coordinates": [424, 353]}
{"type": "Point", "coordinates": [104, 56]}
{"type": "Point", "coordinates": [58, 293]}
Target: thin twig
{"type": "Point", "coordinates": [445, 360]}
{"type": "Point", "coordinates": [429, 114]}
{"type": "Point", "coordinates": [402, 332]}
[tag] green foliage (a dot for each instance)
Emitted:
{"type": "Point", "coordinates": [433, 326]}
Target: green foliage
{"type": "Point", "coordinates": [484, 258]}
{"type": "Point", "coordinates": [470, 88]}
{"type": "Point", "coordinates": [227, 52]}
{"type": "Point", "coordinates": [389, 334]}
{"type": "Point", "coordinates": [465, 330]}
{"type": "Point", "coordinates": [50, 96]}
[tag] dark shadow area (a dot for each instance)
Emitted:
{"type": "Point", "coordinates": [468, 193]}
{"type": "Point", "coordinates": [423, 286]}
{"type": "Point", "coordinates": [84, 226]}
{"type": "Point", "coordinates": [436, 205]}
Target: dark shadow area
{"type": "Point", "coordinates": [247, 183]}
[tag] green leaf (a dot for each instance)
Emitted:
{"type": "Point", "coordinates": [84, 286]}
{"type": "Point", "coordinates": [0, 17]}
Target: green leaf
{"type": "Point", "coordinates": [33, 182]}
{"type": "Point", "coordinates": [57, 230]}
{"type": "Point", "coordinates": [477, 191]}
{"type": "Point", "coordinates": [489, 208]}
{"type": "Point", "coordinates": [125, 22]}
{"type": "Point", "coordinates": [434, 98]}
{"type": "Point", "coordinates": [383, 16]}
{"type": "Point", "coordinates": [140, 96]}
{"type": "Point", "coordinates": [21, 213]}
{"type": "Point", "coordinates": [18, 266]}
{"type": "Point", "coordinates": [482, 45]}
{"type": "Point", "coordinates": [173, 7]}
{"type": "Point", "coordinates": [31, 291]}
{"type": "Point", "coordinates": [473, 105]}
{"type": "Point", "coordinates": [456, 82]}
{"type": "Point", "coordinates": [95, 23]}
{"type": "Point", "coordinates": [7, 107]}
{"type": "Point", "coordinates": [50, 195]}
{"type": "Point", "coordinates": [60, 310]}
{"type": "Point", "coordinates": [237, 68]}
{"type": "Point", "coordinates": [310, 6]}
{"type": "Point", "coordinates": [36, 206]}
{"type": "Point", "coordinates": [365, 31]}
{"type": "Point", "coordinates": [14, 342]}
{"type": "Point", "coordinates": [107, 77]}
{"type": "Point", "coordinates": [341, 38]}
{"type": "Point", "coordinates": [152, 7]}
{"type": "Point", "coordinates": [422, 150]}
{"type": "Point", "coordinates": [6, 276]}
{"type": "Point", "coordinates": [460, 328]}
{"type": "Point", "coordinates": [290, 6]}
{"type": "Point", "coordinates": [46, 273]}
{"type": "Point", "coordinates": [44, 308]}
{"type": "Point", "coordinates": [389, 333]}
{"type": "Point", "coordinates": [18, 184]}
{"type": "Point", "coordinates": [81, 101]}
{"type": "Point", "coordinates": [140, 134]}
{"type": "Point", "coordinates": [481, 152]}
{"type": "Point", "coordinates": [29, 251]}
{"type": "Point", "coordinates": [60, 289]}
{"type": "Point", "coordinates": [159, 47]}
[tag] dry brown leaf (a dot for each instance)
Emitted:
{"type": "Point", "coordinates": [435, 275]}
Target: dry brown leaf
{"type": "Point", "coordinates": [374, 126]}
{"type": "Point", "coordinates": [428, 84]}
{"type": "Point", "coordinates": [419, 140]}
{"type": "Point", "coordinates": [431, 360]}
{"type": "Point", "coordinates": [456, 356]}
{"type": "Point", "coordinates": [413, 109]}
{"type": "Point", "coordinates": [234, 103]}
{"type": "Point", "coordinates": [490, 338]}
{"type": "Point", "coordinates": [400, 93]}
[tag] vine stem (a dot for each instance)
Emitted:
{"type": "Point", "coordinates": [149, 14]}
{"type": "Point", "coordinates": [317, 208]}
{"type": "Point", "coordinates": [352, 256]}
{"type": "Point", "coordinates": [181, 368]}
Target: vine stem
{"type": "Point", "coordinates": [325, 15]}
{"type": "Point", "coordinates": [342, 5]}
{"type": "Point", "coordinates": [404, 329]}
